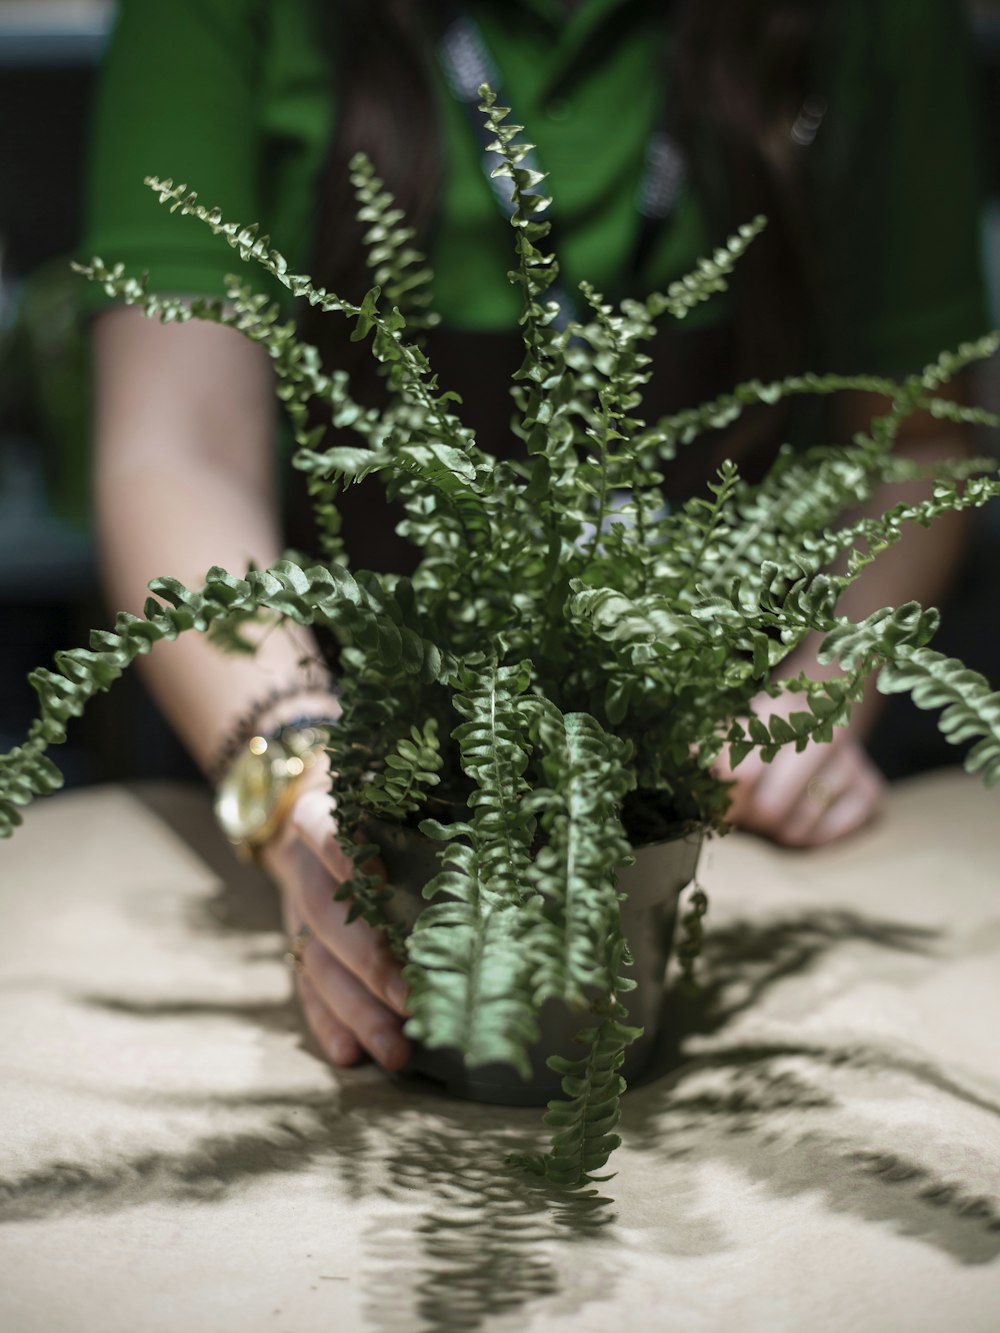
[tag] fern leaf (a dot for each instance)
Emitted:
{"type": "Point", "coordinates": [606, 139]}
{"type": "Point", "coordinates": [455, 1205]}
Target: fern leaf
{"type": "Point", "coordinates": [587, 775]}
{"type": "Point", "coordinates": [410, 770]}
{"type": "Point", "coordinates": [585, 1118]}
{"type": "Point", "coordinates": [879, 636]}
{"type": "Point", "coordinates": [318, 595]}
{"type": "Point", "coordinates": [971, 709]}
{"type": "Point", "coordinates": [399, 269]}
{"type": "Point", "coordinates": [708, 278]}
{"type": "Point", "coordinates": [469, 985]}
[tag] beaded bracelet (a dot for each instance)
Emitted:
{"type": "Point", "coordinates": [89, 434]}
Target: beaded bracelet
{"type": "Point", "coordinates": [245, 725]}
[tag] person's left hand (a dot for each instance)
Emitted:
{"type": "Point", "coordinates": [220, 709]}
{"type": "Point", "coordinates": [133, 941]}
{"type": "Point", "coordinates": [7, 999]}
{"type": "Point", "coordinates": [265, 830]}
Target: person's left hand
{"type": "Point", "coordinates": [351, 987]}
{"type": "Point", "coordinates": [804, 799]}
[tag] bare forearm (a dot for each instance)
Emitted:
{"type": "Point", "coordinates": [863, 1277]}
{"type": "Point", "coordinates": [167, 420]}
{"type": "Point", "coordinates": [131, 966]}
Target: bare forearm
{"type": "Point", "coordinates": [185, 481]}
{"type": "Point", "coordinates": [182, 525]}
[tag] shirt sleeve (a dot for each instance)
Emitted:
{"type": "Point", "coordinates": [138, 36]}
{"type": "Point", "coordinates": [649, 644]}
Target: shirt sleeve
{"type": "Point", "coordinates": [175, 100]}
{"type": "Point", "coordinates": [901, 193]}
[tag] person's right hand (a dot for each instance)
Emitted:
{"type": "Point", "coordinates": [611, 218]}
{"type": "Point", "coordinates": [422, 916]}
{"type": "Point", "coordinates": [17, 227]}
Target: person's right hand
{"type": "Point", "coordinates": [350, 986]}
{"type": "Point", "coordinates": [803, 798]}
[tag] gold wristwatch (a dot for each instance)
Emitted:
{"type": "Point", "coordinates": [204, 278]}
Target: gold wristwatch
{"type": "Point", "coordinates": [260, 785]}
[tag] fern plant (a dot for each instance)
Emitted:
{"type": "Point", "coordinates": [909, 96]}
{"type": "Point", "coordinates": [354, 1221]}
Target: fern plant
{"type": "Point", "coordinates": [571, 654]}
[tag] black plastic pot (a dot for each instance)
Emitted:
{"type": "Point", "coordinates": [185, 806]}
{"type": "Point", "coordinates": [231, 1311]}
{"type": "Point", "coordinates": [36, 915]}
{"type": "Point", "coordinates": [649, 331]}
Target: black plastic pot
{"type": "Point", "coordinates": [653, 885]}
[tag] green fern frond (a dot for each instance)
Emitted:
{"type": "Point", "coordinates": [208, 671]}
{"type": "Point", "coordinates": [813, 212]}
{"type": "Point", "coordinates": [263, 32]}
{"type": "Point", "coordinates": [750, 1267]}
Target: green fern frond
{"type": "Point", "coordinates": [536, 271]}
{"type": "Point", "coordinates": [542, 391]}
{"type": "Point", "coordinates": [684, 427]}
{"type": "Point", "coordinates": [585, 1118]}
{"type": "Point", "coordinates": [494, 749]}
{"type": "Point", "coordinates": [950, 363]}
{"type": "Point", "coordinates": [373, 701]}
{"type": "Point", "coordinates": [414, 378]}
{"type": "Point", "coordinates": [297, 370]}
{"type": "Point", "coordinates": [970, 707]}
{"type": "Point", "coordinates": [398, 268]}
{"type": "Point", "coordinates": [470, 989]}
{"type": "Point", "coordinates": [616, 473]}
{"type": "Point", "coordinates": [707, 279]}
{"type": "Point", "coordinates": [308, 596]}
{"type": "Point", "coordinates": [879, 637]}
{"type": "Point", "coordinates": [410, 770]}
{"type": "Point", "coordinates": [826, 703]}
{"type": "Point", "coordinates": [468, 975]}
{"type": "Point", "coordinates": [586, 774]}
{"type": "Point", "coordinates": [621, 620]}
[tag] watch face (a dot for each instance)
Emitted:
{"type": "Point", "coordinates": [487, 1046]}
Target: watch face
{"type": "Point", "coordinates": [248, 794]}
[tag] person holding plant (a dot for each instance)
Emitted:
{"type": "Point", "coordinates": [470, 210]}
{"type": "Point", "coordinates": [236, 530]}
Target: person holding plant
{"type": "Point", "coordinates": [667, 126]}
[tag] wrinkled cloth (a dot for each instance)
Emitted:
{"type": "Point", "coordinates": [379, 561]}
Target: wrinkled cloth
{"type": "Point", "coordinates": [818, 1146]}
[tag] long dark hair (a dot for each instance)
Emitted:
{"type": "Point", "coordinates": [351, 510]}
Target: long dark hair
{"type": "Point", "coordinates": [380, 53]}
{"type": "Point", "coordinates": [739, 73]}
{"type": "Point", "coordinates": [744, 73]}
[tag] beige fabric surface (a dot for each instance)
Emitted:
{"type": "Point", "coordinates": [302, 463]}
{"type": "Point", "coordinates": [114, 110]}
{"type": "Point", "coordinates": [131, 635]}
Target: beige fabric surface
{"type": "Point", "coordinates": [819, 1151]}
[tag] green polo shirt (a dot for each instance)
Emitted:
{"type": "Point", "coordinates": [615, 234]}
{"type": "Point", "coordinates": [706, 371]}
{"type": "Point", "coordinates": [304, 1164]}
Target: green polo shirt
{"type": "Point", "coordinates": [235, 98]}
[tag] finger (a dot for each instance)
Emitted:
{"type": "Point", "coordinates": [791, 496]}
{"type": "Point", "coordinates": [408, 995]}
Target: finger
{"type": "Point", "coordinates": [814, 795]}
{"type": "Point", "coordinates": [781, 787]}
{"type": "Point", "coordinates": [358, 946]}
{"type": "Point", "coordinates": [336, 1041]}
{"type": "Point", "coordinates": [353, 1006]}
{"type": "Point", "coordinates": [841, 797]}
{"type": "Point", "coordinates": [313, 819]}
{"type": "Point", "coordinates": [855, 808]}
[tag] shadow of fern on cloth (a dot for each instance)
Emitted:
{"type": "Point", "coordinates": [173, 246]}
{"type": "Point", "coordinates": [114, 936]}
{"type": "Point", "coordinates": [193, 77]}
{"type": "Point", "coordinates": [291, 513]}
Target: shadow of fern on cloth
{"type": "Point", "coordinates": [279, 1017]}
{"type": "Point", "coordinates": [743, 960]}
{"type": "Point", "coordinates": [461, 1240]}
{"type": "Point", "coordinates": [871, 1125]}
{"type": "Point", "coordinates": [211, 1166]}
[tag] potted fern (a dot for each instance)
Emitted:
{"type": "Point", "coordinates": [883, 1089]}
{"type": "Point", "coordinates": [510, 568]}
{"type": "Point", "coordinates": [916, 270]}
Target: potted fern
{"type": "Point", "coordinates": [549, 690]}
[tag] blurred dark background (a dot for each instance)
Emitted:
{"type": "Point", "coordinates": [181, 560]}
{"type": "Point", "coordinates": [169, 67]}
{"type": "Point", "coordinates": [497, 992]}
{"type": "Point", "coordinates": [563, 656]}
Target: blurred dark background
{"type": "Point", "coordinates": [49, 598]}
